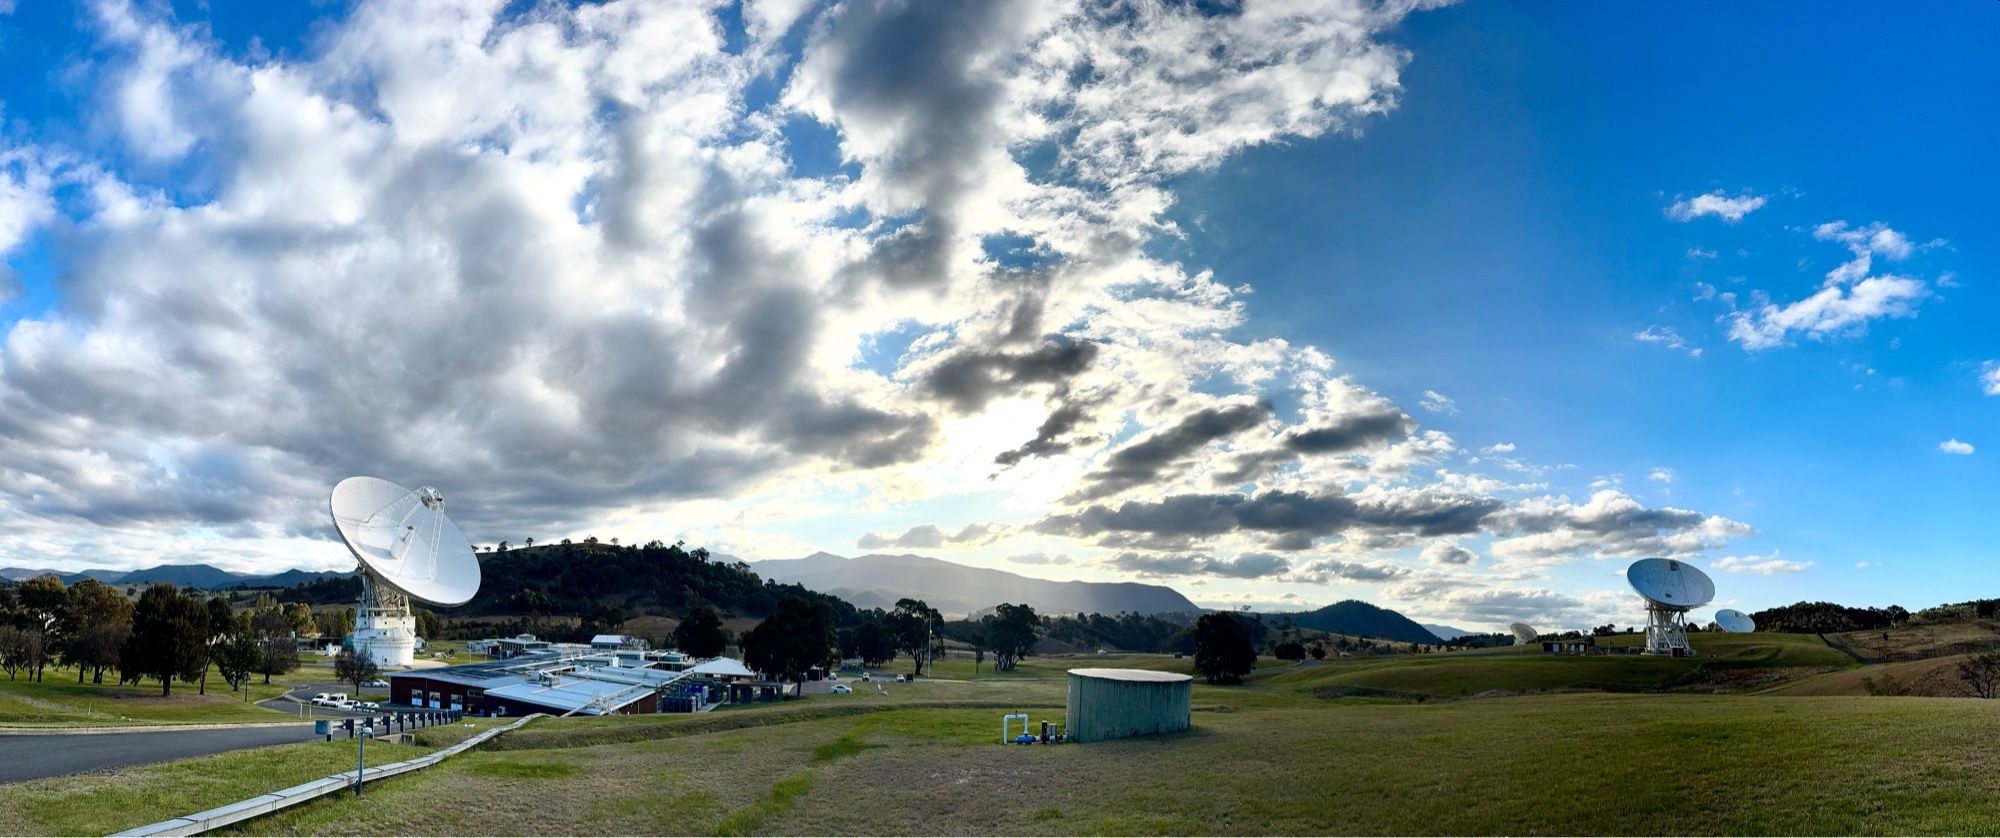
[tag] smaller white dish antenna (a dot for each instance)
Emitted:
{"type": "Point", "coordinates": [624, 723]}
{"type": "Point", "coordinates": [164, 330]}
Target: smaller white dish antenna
{"type": "Point", "coordinates": [1734, 621]}
{"type": "Point", "coordinates": [1524, 634]}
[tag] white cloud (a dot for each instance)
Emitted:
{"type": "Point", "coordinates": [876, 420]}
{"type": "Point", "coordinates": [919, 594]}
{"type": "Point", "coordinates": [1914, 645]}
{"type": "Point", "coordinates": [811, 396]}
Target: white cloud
{"type": "Point", "coordinates": [1448, 552]}
{"type": "Point", "coordinates": [1661, 474]}
{"type": "Point", "coordinates": [1989, 378]}
{"type": "Point", "coordinates": [1851, 297]}
{"type": "Point", "coordinates": [1667, 337]}
{"type": "Point", "coordinates": [1953, 446]}
{"type": "Point", "coordinates": [1437, 402]}
{"type": "Point", "coordinates": [1698, 253]}
{"type": "Point", "coordinates": [1863, 565]}
{"type": "Point", "coordinates": [1499, 448]}
{"type": "Point", "coordinates": [1718, 204]}
{"type": "Point", "coordinates": [1760, 565]}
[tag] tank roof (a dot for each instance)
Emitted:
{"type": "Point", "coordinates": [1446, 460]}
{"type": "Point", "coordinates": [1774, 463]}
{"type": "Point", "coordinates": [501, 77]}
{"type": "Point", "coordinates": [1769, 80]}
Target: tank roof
{"type": "Point", "coordinates": [1131, 675]}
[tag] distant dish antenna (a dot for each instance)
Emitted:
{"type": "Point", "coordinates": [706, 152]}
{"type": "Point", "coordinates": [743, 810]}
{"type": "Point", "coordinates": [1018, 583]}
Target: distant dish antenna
{"type": "Point", "coordinates": [1671, 589]}
{"type": "Point", "coordinates": [1734, 621]}
{"type": "Point", "coordinates": [1524, 634]}
{"type": "Point", "coordinates": [408, 550]}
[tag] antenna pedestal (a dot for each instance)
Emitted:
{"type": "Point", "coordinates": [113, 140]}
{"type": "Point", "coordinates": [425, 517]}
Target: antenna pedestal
{"type": "Point", "coordinates": [1666, 631]}
{"type": "Point", "coordinates": [384, 629]}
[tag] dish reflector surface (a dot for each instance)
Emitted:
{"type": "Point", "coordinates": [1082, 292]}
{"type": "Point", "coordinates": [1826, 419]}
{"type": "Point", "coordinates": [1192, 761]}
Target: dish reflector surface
{"type": "Point", "coordinates": [403, 538]}
{"type": "Point", "coordinates": [1524, 632]}
{"type": "Point", "coordinates": [1734, 621]}
{"type": "Point", "coordinates": [1670, 583]}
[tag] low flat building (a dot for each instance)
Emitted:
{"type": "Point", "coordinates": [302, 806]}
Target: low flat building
{"type": "Point", "coordinates": [578, 681]}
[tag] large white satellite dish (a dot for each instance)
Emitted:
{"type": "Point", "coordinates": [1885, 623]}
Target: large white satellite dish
{"type": "Point", "coordinates": [1734, 621]}
{"type": "Point", "coordinates": [1524, 634]}
{"type": "Point", "coordinates": [408, 550]}
{"type": "Point", "coordinates": [1670, 588]}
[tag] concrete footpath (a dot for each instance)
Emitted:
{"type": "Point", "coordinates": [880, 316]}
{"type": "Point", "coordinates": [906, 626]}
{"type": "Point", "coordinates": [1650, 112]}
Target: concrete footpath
{"type": "Point", "coordinates": [25, 756]}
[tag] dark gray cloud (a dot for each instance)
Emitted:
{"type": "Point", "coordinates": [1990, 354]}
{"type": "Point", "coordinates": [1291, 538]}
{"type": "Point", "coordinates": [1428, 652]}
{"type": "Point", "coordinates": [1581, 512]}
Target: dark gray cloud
{"type": "Point", "coordinates": [927, 537]}
{"type": "Point", "coordinates": [1352, 432]}
{"type": "Point", "coordinates": [969, 378]}
{"type": "Point", "coordinates": [1144, 462]}
{"type": "Point", "coordinates": [1424, 512]}
{"type": "Point", "coordinates": [1049, 438]}
{"type": "Point", "coordinates": [1246, 566]}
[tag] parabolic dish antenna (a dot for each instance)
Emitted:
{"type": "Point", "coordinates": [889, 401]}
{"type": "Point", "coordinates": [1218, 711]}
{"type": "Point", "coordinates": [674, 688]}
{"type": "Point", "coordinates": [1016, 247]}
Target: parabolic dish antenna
{"type": "Point", "coordinates": [1734, 621]}
{"type": "Point", "coordinates": [1524, 634]}
{"type": "Point", "coordinates": [1670, 589]}
{"type": "Point", "coordinates": [408, 550]}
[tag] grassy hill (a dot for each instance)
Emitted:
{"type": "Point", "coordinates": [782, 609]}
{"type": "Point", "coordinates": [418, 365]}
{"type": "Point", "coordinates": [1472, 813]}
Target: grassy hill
{"type": "Point", "coordinates": [1268, 757]}
{"type": "Point", "coordinates": [1725, 662]}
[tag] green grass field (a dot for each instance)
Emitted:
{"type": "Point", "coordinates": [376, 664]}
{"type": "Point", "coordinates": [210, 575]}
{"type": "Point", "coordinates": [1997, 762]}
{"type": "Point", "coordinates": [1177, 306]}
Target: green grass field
{"type": "Point", "coordinates": [59, 701]}
{"type": "Point", "coordinates": [1292, 751]}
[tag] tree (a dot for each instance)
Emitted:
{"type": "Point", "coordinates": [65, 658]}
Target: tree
{"type": "Point", "coordinates": [700, 634]}
{"type": "Point", "coordinates": [1318, 651]}
{"type": "Point", "coordinates": [353, 668]}
{"type": "Point", "coordinates": [1222, 651]}
{"type": "Point", "coordinates": [221, 627]}
{"type": "Point", "coordinates": [1982, 673]}
{"type": "Point", "coordinates": [1011, 633]}
{"type": "Point", "coordinates": [277, 647]}
{"type": "Point", "coordinates": [170, 632]}
{"type": "Point", "coordinates": [42, 606]}
{"type": "Point", "coordinates": [20, 649]}
{"type": "Point", "coordinates": [238, 654]}
{"type": "Point", "coordinates": [98, 621]}
{"type": "Point", "coordinates": [300, 615]}
{"type": "Point", "coordinates": [530, 542]}
{"type": "Point", "coordinates": [912, 624]}
{"type": "Point", "coordinates": [798, 637]}
{"type": "Point", "coordinates": [1290, 650]}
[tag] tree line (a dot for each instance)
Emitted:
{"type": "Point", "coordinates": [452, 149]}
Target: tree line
{"type": "Point", "coordinates": [166, 633]}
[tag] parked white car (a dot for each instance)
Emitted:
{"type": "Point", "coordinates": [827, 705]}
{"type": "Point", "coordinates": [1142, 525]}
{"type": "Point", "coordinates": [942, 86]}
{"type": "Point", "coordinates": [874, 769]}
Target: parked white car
{"type": "Point", "coordinates": [842, 689]}
{"type": "Point", "coordinates": [376, 683]}
{"type": "Point", "coordinates": [367, 705]}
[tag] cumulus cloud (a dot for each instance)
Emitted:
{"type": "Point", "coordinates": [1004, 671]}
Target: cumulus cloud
{"type": "Point", "coordinates": [1851, 297]}
{"type": "Point", "coordinates": [1445, 552]}
{"type": "Point", "coordinates": [1719, 204]}
{"type": "Point", "coordinates": [1953, 446]}
{"type": "Point", "coordinates": [1335, 571]}
{"type": "Point", "coordinates": [571, 263]}
{"type": "Point", "coordinates": [1661, 474]}
{"type": "Point", "coordinates": [1198, 516]}
{"type": "Point", "coordinates": [565, 262]}
{"type": "Point", "coordinates": [1144, 461]}
{"type": "Point", "coordinates": [1610, 524]}
{"type": "Point", "coordinates": [1759, 565]}
{"type": "Point", "coordinates": [1437, 402]}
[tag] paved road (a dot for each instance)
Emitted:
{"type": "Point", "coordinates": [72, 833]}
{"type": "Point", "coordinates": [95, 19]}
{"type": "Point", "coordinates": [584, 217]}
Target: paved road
{"type": "Point", "coordinates": [30, 757]}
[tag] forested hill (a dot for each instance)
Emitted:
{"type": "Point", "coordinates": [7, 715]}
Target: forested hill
{"type": "Point", "coordinates": [591, 579]}
{"type": "Point", "coordinates": [1360, 618]}
{"type": "Point", "coordinates": [587, 578]}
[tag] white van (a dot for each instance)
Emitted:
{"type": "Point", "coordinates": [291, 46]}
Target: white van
{"type": "Point", "coordinates": [322, 699]}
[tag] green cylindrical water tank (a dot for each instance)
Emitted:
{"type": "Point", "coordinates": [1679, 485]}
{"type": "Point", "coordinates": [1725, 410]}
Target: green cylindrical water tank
{"type": "Point", "coordinates": [1116, 703]}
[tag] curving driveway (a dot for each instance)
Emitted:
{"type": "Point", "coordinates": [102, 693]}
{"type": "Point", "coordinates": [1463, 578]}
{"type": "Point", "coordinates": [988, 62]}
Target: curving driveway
{"type": "Point", "coordinates": [32, 756]}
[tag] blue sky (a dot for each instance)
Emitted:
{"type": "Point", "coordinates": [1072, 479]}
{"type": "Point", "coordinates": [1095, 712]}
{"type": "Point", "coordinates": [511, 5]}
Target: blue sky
{"type": "Point", "coordinates": [655, 270]}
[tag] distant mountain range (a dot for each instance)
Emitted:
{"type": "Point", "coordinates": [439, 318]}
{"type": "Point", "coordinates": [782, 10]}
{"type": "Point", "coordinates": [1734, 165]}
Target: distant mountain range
{"type": "Point", "coordinates": [1352, 616]}
{"type": "Point", "coordinates": [205, 577]}
{"type": "Point", "coordinates": [877, 581]}
{"type": "Point", "coordinates": [1447, 632]}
